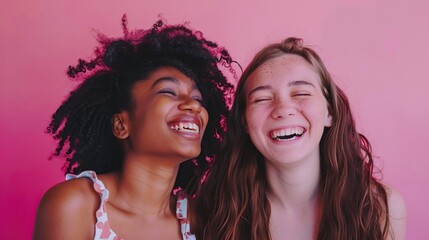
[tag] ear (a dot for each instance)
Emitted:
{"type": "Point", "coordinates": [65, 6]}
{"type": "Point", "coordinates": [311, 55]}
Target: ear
{"type": "Point", "coordinates": [328, 119]}
{"type": "Point", "coordinates": [120, 125]}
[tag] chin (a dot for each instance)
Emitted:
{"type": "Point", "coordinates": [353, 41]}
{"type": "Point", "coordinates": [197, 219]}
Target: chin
{"type": "Point", "coordinates": [191, 155]}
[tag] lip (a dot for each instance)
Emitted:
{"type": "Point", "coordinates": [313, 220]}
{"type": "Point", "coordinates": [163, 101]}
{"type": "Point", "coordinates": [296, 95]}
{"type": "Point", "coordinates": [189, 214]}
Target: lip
{"type": "Point", "coordinates": [186, 119]}
{"type": "Point", "coordinates": [298, 130]}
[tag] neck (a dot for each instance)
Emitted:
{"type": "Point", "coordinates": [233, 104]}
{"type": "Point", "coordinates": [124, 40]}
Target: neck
{"type": "Point", "coordinates": [144, 186]}
{"type": "Point", "coordinates": [294, 186]}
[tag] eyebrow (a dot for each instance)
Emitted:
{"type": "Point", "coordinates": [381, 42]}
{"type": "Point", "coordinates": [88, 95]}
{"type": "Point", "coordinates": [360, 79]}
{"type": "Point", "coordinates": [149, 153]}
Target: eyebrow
{"type": "Point", "coordinates": [165, 79]}
{"type": "Point", "coordinates": [258, 88]}
{"type": "Point", "coordinates": [300, 82]}
{"type": "Point", "coordinates": [290, 84]}
{"type": "Point", "coordinates": [170, 79]}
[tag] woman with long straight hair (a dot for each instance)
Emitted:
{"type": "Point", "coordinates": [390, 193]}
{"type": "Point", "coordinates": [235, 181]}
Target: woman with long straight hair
{"type": "Point", "coordinates": [292, 164]}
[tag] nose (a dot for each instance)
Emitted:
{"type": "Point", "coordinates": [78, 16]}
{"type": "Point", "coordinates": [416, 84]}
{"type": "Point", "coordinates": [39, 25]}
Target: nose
{"type": "Point", "coordinates": [190, 104]}
{"type": "Point", "coordinates": [283, 109]}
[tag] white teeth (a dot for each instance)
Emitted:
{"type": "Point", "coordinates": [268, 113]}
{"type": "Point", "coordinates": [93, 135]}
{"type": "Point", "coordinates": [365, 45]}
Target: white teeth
{"type": "Point", "coordinates": [186, 127]}
{"type": "Point", "coordinates": [287, 133]}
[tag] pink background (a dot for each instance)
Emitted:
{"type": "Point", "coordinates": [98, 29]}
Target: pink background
{"type": "Point", "coordinates": [377, 50]}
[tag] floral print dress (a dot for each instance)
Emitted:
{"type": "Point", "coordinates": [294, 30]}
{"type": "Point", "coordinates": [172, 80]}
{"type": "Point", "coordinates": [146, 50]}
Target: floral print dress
{"type": "Point", "coordinates": [102, 228]}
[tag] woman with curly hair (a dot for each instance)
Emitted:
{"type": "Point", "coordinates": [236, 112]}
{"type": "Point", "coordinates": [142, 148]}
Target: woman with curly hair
{"type": "Point", "coordinates": [135, 129]}
{"type": "Point", "coordinates": [292, 164]}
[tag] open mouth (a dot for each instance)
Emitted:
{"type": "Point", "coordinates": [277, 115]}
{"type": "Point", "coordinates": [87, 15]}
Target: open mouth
{"type": "Point", "coordinates": [287, 134]}
{"type": "Point", "coordinates": [185, 127]}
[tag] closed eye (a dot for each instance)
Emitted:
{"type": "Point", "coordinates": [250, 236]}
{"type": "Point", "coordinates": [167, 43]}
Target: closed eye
{"type": "Point", "coordinates": [260, 100]}
{"type": "Point", "coordinates": [301, 94]}
{"type": "Point", "coordinates": [198, 99]}
{"type": "Point", "coordinates": [167, 91]}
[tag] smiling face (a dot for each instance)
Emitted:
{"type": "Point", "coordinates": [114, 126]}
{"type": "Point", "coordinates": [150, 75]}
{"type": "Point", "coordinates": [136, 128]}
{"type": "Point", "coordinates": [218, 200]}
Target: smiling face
{"type": "Point", "coordinates": [286, 111]}
{"type": "Point", "coordinates": [167, 120]}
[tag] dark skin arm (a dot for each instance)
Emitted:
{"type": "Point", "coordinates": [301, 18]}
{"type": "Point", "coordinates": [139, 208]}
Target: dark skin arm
{"type": "Point", "coordinates": [67, 211]}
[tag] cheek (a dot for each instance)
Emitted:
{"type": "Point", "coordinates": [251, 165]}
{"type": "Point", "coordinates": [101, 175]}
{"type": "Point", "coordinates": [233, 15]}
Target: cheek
{"type": "Point", "coordinates": [253, 121]}
{"type": "Point", "coordinates": [150, 116]}
{"type": "Point", "coordinates": [317, 112]}
{"type": "Point", "coordinates": [205, 118]}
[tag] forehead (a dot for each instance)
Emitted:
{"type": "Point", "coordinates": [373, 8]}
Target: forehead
{"type": "Point", "coordinates": [285, 68]}
{"type": "Point", "coordinates": [165, 75]}
{"type": "Point", "coordinates": [169, 72]}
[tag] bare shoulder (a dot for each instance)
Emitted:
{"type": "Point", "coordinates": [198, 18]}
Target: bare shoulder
{"type": "Point", "coordinates": [397, 213]}
{"type": "Point", "coordinates": [396, 203]}
{"type": "Point", "coordinates": [67, 211]}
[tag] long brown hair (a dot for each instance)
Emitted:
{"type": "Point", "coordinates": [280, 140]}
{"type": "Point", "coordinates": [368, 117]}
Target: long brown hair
{"type": "Point", "coordinates": [232, 202]}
